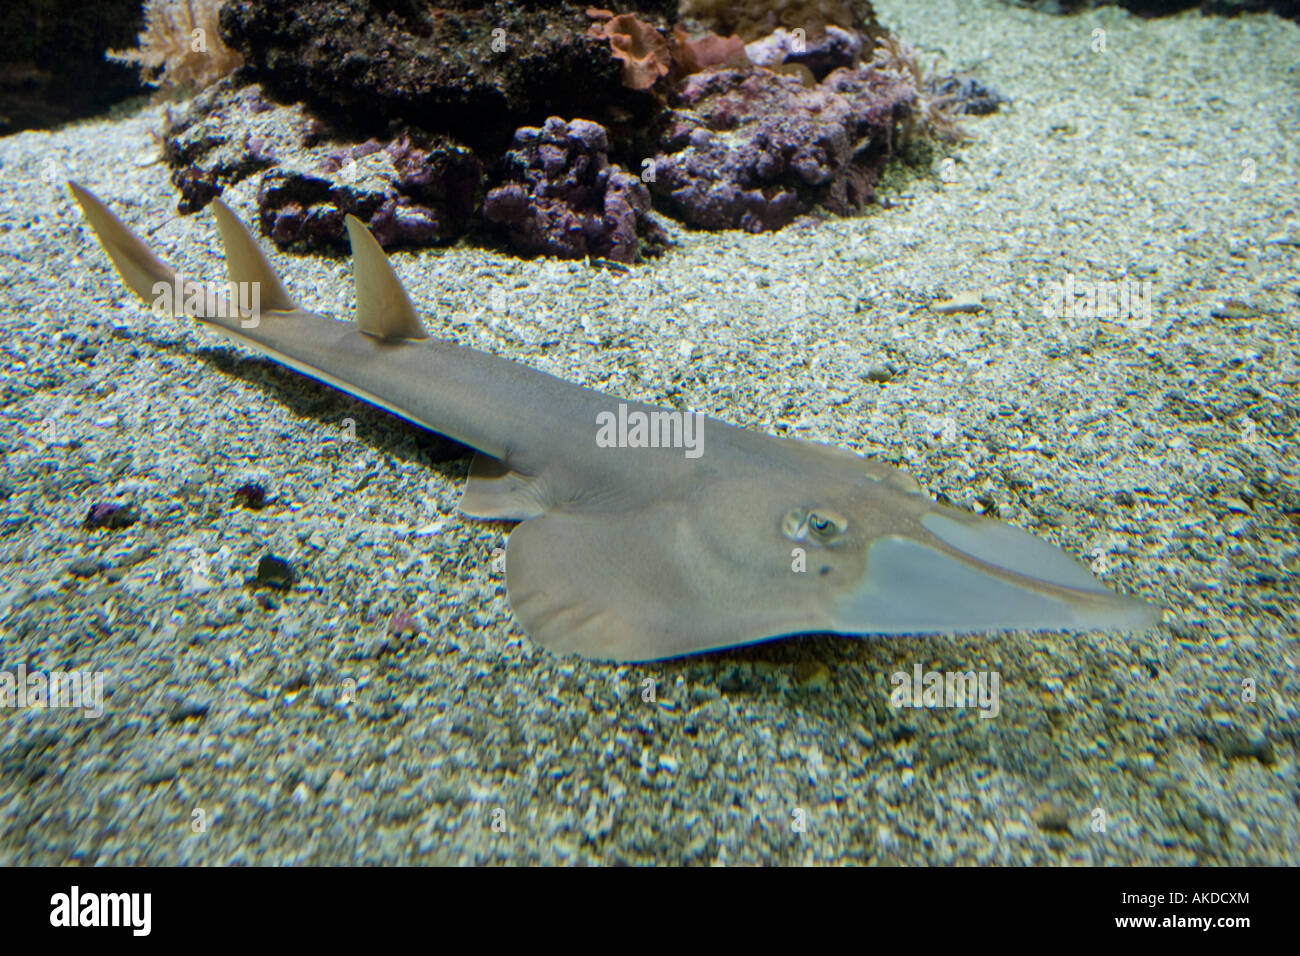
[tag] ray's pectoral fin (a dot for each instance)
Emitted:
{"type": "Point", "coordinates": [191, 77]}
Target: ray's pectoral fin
{"type": "Point", "coordinates": [571, 587]}
{"type": "Point", "coordinates": [634, 585]}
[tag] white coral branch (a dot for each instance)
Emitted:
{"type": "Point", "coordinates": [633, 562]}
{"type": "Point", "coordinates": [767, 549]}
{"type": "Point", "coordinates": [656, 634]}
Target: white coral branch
{"type": "Point", "coordinates": [181, 45]}
{"type": "Point", "coordinates": [937, 114]}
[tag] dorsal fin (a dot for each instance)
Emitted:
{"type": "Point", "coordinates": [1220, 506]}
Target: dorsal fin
{"type": "Point", "coordinates": [245, 262]}
{"type": "Point", "coordinates": [383, 308]}
{"type": "Point", "coordinates": [139, 268]}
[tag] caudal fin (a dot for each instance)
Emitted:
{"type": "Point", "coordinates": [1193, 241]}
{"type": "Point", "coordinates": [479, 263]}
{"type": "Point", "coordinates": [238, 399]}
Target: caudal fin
{"type": "Point", "coordinates": [142, 271]}
{"type": "Point", "coordinates": [139, 268]}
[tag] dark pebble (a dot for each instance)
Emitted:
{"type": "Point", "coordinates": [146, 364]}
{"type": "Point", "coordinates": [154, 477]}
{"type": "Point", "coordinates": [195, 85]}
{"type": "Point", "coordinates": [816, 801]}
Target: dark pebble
{"type": "Point", "coordinates": [84, 568]}
{"type": "Point", "coordinates": [251, 496]}
{"type": "Point", "coordinates": [105, 514]}
{"type": "Point", "coordinates": [152, 778]}
{"type": "Point", "coordinates": [186, 709]}
{"type": "Point", "coordinates": [1236, 744]}
{"type": "Point", "coordinates": [273, 572]}
{"type": "Point", "coordinates": [1053, 818]}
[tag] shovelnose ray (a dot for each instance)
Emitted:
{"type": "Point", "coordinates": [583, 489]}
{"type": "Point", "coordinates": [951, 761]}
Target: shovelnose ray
{"type": "Point", "coordinates": [641, 553]}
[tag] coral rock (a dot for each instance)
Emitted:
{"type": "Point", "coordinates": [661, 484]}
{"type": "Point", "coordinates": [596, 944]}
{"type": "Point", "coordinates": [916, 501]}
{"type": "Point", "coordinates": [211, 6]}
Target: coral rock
{"type": "Point", "coordinates": [473, 70]}
{"type": "Point", "coordinates": [970, 96]}
{"type": "Point", "coordinates": [406, 194]}
{"type": "Point", "coordinates": [227, 135]}
{"type": "Point", "coordinates": [753, 19]}
{"type": "Point", "coordinates": [833, 49]}
{"type": "Point", "coordinates": [415, 189]}
{"type": "Point", "coordinates": [753, 149]}
{"type": "Point", "coordinates": [562, 197]}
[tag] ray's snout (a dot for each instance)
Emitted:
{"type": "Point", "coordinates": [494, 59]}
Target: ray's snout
{"type": "Point", "coordinates": [979, 575]}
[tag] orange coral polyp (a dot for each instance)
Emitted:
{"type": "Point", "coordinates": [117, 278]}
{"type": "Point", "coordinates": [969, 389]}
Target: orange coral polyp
{"type": "Point", "coordinates": [642, 49]}
{"type": "Point", "coordinates": [708, 51]}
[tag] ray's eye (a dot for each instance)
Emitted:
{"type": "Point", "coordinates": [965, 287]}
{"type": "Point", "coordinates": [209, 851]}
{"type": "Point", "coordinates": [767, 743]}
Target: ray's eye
{"type": "Point", "coordinates": [826, 525]}
{"type": "Point", "coordinates": [822, 526]}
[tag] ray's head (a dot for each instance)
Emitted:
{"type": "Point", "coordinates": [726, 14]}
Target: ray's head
{"type": "Point", "coordinates": [838, 543]}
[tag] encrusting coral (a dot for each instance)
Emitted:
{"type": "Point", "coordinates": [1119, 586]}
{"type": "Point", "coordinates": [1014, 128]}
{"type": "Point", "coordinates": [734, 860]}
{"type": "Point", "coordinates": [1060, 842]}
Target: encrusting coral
{"type": "Point", "coordinates": [413, 188]}
{"type": "Point", "coordinates": [694, 54]}
{"type": "Point", "coordinates": [181, 46]}
{"type": "Point", "coordinates": [818, 56]}
{"type": "Point", "coordinates": [752, 149]}
{"type": "Point", "coordinates": [647, 55]}
{"type": "Point", "coordinates": [562, 197]}
{"type": "Point", "coordinates": [406, 192]}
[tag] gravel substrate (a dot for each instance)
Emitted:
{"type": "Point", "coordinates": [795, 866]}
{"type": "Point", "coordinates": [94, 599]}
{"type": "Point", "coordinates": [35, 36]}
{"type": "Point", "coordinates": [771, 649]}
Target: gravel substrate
{"type": "Point", "coordinates": [248, 725]}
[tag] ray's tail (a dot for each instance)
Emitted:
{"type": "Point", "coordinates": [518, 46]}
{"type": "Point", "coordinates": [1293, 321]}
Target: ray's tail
{"type": "Point", "coordinates": [139, 268]}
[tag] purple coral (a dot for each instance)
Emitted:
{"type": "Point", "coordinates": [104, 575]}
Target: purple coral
{"type": "Point", "coordinates": [752, 149]}
{"type": "Point", "coordinates": [429, 197]}
{"type": "Point", "coordinates": [835, 47]}
{"type": "Point", "coordinates": [562, 197]}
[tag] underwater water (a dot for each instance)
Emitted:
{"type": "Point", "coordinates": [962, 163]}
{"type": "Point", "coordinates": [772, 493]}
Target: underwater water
{"type": "Point", "coordinates": [1044, 264]}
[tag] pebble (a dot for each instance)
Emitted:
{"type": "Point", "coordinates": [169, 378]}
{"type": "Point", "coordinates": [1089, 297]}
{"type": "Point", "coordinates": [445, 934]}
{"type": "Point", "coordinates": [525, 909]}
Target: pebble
{"type": "Point", "coordinates": [813, 675]}
{"type": "Point", "coordinates": [273, 572]}
{"type": "Point", "coordinates": [84, 568]}
{"type": "Point", "coordinates": [185, 709]}
{"type": "Point", "coordinates": [1235, 309]}
{"type": "Point", "coordinates": [251, 496]}
{"type": "Point", "coordinates": [106, 514]}
{"type": "Point", "coordinates": [1053, 817]}
{"type": "Point", "coordinates": [962, 302]}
